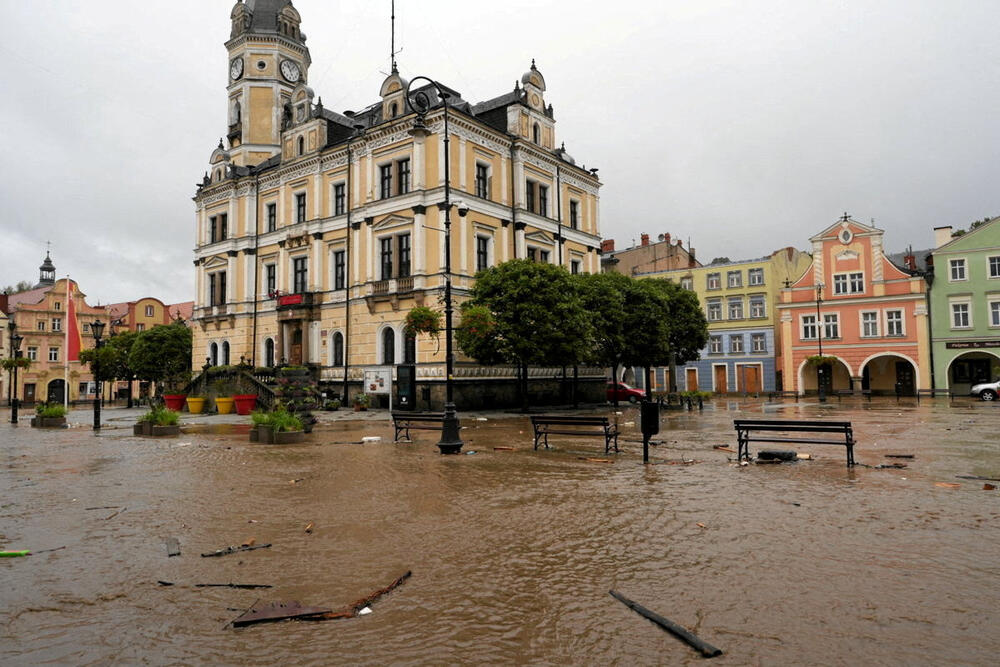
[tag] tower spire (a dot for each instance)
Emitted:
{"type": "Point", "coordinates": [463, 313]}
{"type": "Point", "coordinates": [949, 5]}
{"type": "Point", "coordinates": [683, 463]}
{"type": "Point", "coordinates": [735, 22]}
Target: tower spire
{"type": "Point", "coordinates": [392, 43]}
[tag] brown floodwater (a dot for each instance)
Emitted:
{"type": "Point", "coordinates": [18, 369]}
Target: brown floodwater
{"type": "Point", "coordinates": [512, 552]}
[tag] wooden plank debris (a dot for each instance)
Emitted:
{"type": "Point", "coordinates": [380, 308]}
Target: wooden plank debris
{"type": "Point", "coordinates": [277, 611]}
{"type": "Point", "coordinates": [232, 550]}
{"type": "Point", "coordinates": [173, 546]}
{"type": "Point", "coordinates": [704, 647]}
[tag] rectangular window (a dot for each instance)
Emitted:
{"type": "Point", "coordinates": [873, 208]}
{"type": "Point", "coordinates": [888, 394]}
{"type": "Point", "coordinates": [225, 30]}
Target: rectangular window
{"type": "Point", "coordinates": [270, 278]}
{"type": "Point", "coordinates": [57, 324]}
{"type": "Point", "coordinates": [736, 308]}
{"type": "Point", "coordinates": [221, 297]}
{"type": "Point", "coordinates": [532, 255]}
{"type": "Point", "coordinates": [53, 354]}
{"type": "Point", "coordinates": [33, 353]}
{"type": "Point", "coordinates": [543, 200]}
{"type": "Point", "coordinates": [994, 267]}
{"type": "Point", "coordinates": [713, 281]}
{"type": "Point", "coordinates": [385, 257]}
{"type": "Point", "coordinates": [339, 266]}
{"type": "Point", "coordinates": [995, 313]}
{"type": "Point", "coordinates": [213, 227]}
{"type": "Point", "coordinates": [140, 327]}
{"type": "Point", "coordinates": [403, 170]}
{"type": "Point", "coordinates": [734, 278]}
{"type": "Point", "coordinates": [82, 388]}
{"type": "Point", "coordinates": [736, 344]}
{"type": "Point", "coordinates": [687, 283]}
{"type": "Point", "coordinates": [529, 199]}
{"type": "Point", "coordinates": [893, 323]}
{"type": "Point", "coordinates": [272, 217]}
{"type": "Point", "coordinates": [482, 180]}
{"type": "Point", "coordinates": [41, 325]}
{"type": "Point", "coordinates": [869, 325]}
{"type": "Point", "coordinates": [831, 326]}
{"type": "Point", "coordinates": [482, 253]}
{"type": "Point", "coordinates": [715, 344]}
{"type": "Point", "coordinates": [758, 343]}
{"type": "Point", "coordinates": [849, 283]}
{"type": "Point", "coordinates": [574, 214]}
{"type": "Point", "coordinates": [211, 290]}
{"type": "Point", "coordinates": [857, 282]}
{"type": "Point", "coordinates": [840, 283]}
{"type": "Point", "coordinates": [714, 310]}
{"type": "Point", "coordinates": [957, 269]}
{"type": "Point", "coordinates": [57, 305]}
{"type": "Point", "coordinates": [149, 311]}
{"type": "Point", "coordinates": [543, 256]}
{"type": "Point", "coordinates": [755, 276]}
{"type": "Point", "coordinates": [300, 274]}
{"type": "Point", "coordinates": [223, 227]}
{"type": "Point", "coordinates": [574, 267]}
{"type": "Point", "coordinates": [385, 181]}
{"type": "Point", "coordinates": [403, 243]}
{"type": "Point", "coordinates": [959, 315]}
{"type": "Point", "coordinates": [339, 199]}
{"type": "Point", "coordinates": [808, 327]}
{"type": "Point", "coordinates": [300, 207]}
{"type": "Point", "coordinates": [758, 306]}
{"type": "Point", "coordinates": [86, 327]}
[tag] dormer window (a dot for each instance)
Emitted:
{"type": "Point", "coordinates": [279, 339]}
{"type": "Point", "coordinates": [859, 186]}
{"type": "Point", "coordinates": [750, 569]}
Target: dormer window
{"type": "Point", "coordinates": [393, 110]}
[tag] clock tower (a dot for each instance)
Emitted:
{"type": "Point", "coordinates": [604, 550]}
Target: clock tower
{"type": "Point", "coordinates": [268, 59]}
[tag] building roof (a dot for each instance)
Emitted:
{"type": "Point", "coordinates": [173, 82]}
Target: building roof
{"type": "Point", "coordinates": [265, 14]}
{"type": "Point", "coordinates": [28, 297]}
{"type": "Point", "coordinates": [184, 310]}
{"type": "Point", "coordinates": [920, 258]}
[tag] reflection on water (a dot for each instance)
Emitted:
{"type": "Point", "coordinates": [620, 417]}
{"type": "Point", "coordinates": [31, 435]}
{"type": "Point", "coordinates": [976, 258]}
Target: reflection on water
{"type": "Point", "coordinates": [512, 552]}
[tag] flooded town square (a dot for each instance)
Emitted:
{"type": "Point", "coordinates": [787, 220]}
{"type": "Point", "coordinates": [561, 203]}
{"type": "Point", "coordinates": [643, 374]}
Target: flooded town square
{"type": "Point", "coordinates": [512, 551]}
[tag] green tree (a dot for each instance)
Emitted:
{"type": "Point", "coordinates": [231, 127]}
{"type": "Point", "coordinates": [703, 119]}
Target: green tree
{"type": "Point", "coordinates": [22, 286]}
{"type": "Point", "coordinates": [538, 318]}
{"type": "Point", "coordinates": [113, 359]}
{"type": "Point", "coordinates": [603, 297]}
{"type": "Point", "coordinates": [162, 354]}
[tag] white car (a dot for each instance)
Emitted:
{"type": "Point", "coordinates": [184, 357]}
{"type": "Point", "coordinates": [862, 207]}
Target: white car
{"type": "Point", "coordinates": [986, 390]}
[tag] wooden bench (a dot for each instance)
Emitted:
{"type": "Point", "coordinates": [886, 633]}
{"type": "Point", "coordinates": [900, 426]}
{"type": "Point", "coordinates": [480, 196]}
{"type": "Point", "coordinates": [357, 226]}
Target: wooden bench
{"type": "Point", "coordinates": [783, 394]}
{"type": "Point", "coordinates": [546, 425]}
{"type": "Point", "coordinates": [770, 430]}
{"type": "Point", "coordinates": [421, 421]}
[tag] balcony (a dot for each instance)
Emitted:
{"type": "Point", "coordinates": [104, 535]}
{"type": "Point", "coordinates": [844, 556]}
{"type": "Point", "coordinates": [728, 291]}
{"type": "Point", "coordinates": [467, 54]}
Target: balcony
{"type": "Point", "coordinates": [298, 306]}
{"type": "Point", "coordinates": [297, 300]}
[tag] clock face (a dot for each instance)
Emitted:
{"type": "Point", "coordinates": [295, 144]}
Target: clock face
{"type": "Point", "coordinates": [290, 71]}
{"type": "Point", "coordinates": [236, 68]}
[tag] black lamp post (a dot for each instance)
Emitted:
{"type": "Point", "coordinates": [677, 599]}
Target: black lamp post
{"type": "Point", "coordinates": [819, 337]}
{"type": "Point", "coordinates": [15, 350]}
{"type": "Point", "coordinates": [97, 328]}
{"type": "Point", "coordinates": [419, 102]}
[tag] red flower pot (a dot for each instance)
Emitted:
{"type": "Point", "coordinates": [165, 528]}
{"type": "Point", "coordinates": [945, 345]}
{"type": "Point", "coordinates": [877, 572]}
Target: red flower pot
{"type": "Point", "coordinates": [174, 401]}
{"type": "Point", "coordinates": [245, 403]}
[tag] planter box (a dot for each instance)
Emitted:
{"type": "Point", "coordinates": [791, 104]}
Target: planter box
{"type": "Point", "coordinates": [262, 434]}
{"type": "Point", "coordinates": [142, 428]}
{"type": "Point", "coordinates": [195, 405]}
{"type": "Point", "coordinates": [174, 402]}
{"type": "Point", "coordinates": [166, 430]}
{"type": "Point", "coordinates": [48, 422]}
{"type": "Point", "coordinates": [224, 405]}
{"type": "Point", "coordinates": [288, 437]}
{"type": "Point", "coordinates": [245, 403]}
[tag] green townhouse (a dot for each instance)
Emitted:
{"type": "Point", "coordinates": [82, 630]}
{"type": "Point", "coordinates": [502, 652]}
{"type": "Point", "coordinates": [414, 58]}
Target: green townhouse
{"type": "Point", "coordinates": [965, 307]}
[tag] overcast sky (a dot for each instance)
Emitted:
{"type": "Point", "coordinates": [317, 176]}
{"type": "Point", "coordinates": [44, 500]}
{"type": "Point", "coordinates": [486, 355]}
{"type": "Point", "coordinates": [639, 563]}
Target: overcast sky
{"type": "Point", "coordinates": [743, 126]}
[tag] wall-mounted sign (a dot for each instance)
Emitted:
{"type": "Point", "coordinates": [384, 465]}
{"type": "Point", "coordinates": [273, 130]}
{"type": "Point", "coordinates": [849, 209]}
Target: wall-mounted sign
{"type": "Point", "coordinates": [971, 344]}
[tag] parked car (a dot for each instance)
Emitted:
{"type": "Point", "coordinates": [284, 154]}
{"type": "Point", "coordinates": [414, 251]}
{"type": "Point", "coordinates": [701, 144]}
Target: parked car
{"type": "Point", "coordinates": [986, 390]}
{"type": "Point", "coordinates": [624, 392]}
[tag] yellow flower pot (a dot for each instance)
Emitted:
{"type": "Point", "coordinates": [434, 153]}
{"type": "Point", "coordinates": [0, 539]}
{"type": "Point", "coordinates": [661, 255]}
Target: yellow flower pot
{"type": "Point", "coordinates": [196, 405]}
{"type": "Point", "coordinates": [224, 405]}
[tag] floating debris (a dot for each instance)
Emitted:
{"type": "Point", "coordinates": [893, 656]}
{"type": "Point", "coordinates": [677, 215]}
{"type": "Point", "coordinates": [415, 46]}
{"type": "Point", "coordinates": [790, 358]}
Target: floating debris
{"type": "Point", "coordinates": [232, 550]}
{"type": "Point", "coordinates": [277, 611]}
{"type": "Point", "coordinates": [947, 485]}
{"type": "Point", "coordinates": [173, 546]}
{"type": "Point", "coordinates": [309, 527]}
{"type": "Point", "coordinates": [503, 449]}
{"type": "Point", "coordinates": [695, 642]}
{"type": "Point", "coordinates": [371, 439]}
{"type": "Point", "coordinates": [230, 585]}
{"type": "Point", "coordinates": [900, 456]}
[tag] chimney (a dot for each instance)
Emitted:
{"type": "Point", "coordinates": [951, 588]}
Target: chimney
{"type": "Point", "coordinates": [608, 245]}
{"type": "Point", "coordinates": [942, 235]}
{"type": "Point", "coordinates": [910, 261]}
{"type": "Point", "coordinates": [645, 240]}
{"type": "Point", "coordinates": [666, 237]}
{"type": "Point", "coordinates": [692, 262]}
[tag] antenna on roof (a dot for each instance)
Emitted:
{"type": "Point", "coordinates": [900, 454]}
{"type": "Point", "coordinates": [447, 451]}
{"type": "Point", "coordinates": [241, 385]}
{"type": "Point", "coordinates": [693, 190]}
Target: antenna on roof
{"type": "Point", "coordinates": [392, 44]}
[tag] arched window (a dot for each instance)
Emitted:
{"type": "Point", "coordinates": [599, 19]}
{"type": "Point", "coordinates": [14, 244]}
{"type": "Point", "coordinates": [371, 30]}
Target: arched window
{"type": "Point", "coordinates": [388, 347]}
{"type": "Point", "coordinates": [410, 350]}
{"type": "Point", "coordinates": [536, 133]}
{"type": "Point", "coordinates": [269, 352]}
{"type": "Point", "coordinates": [213, 354]}
{"type": "Point", "coordinates": [393, 110]}
{"type": "Point", "coordinates": [338, 349]}
{"type": "Point", "coordinates": [302, 145]}
{"type": "Point", "coordinates": [225, 353]}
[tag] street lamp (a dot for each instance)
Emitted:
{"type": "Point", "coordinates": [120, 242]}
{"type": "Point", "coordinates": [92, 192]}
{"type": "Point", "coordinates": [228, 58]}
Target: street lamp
{"type": "Point", "coordinates": [819, 337]}
{"type": "Point", "coordinates": [97, 328]}
{"type": "Point", "coordinates": [15, 350]}
{"type": "Point", "coordinates": [419, 103]}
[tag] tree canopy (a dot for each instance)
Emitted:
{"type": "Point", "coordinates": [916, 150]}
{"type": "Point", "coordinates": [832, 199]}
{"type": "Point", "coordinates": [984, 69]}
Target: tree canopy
{"type": "Point", "coordinates": [162, 354]}
{"type": "Point", "coordinates": [113, 362]}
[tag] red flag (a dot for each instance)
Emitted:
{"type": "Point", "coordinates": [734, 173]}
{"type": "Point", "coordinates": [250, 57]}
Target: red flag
{"type": "Point", "coordinates": [73, 340]}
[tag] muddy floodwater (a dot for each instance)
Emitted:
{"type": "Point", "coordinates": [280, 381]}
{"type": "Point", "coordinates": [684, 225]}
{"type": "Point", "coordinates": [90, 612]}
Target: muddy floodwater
{"type": "Point", "coordinates": [512, 551]}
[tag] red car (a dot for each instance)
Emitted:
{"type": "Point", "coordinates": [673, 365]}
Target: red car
{"type": "Point", "coordinates": [624, 392]}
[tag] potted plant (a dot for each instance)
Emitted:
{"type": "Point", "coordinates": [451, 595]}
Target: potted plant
{"type": "Point", "coordinates": [158, 421]}
{"type": "Point", "coordinates": [361, 402]}
{"type": "Point", "coordinates": [299, 393]}
{"type": "Point", "coordinates": [279, 427]}
{"type": "Point", "coordinates": [195, 404]}
{"type": "Point", "coordinates": [224, 391]}
{"type": "Point", "coordinates": [245, 403]}
{"type": "Point", "coordinates": [49, 415]}
{"type": "Point", "coordinates": [332, 405]}
{"type": "Point", "coordinates": [262, 430]}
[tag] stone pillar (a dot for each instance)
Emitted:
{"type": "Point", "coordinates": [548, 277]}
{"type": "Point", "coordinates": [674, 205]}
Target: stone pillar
{"type": "Point", "coordinates": [419, 239]}
{"type": "Point", "coordinates": [282, 269]}
{"type": "Point", "coordinates": [370, 254]}
{"type": "Point", "coordinates": [316, 272]}
{"type": "Point", "coordinates": [230, 275]}
{"type": "Point", "coordinates": [462, 176]}
{"type": "Point", "coordinates": [520, 248]}
{"type": "Point", "coordinates": [419, 162]}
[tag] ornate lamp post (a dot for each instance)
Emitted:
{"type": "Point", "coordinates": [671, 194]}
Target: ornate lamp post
{"type": "Point", "coordinates": [97, 328]}
{"type": "Point", "coordinates": [819, 337]}
{"type": "Point", "coordinates": [15, 350]}
{"type": "Point", "coordinates": [419, 102]}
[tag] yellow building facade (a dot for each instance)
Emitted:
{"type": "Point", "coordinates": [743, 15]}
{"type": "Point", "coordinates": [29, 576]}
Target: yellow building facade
{"type": "Point", "coordinates": [317, 231]}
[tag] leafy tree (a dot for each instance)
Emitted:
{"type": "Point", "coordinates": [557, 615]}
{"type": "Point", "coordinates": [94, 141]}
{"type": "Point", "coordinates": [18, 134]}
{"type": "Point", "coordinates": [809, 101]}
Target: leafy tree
{"type": "Point", "coordinates": [538, 318]}
{"type": "Point", "coordinates": [22, 286]}
{"type": "Point", "coordinates": [688, 328]}
{"type": "Point", "coordinates": [162, 354]}
{"type": "Point", "coordinates": [603, 297]}
{"type": "Point", "coordinates": [113, 359]}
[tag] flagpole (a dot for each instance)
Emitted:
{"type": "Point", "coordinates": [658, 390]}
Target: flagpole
{"type": "Point", "coordinates": [69, 294]}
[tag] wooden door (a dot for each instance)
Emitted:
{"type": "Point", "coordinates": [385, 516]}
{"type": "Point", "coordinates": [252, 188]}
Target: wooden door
{"type": "Point", "coordinates": [720, 380]}
{"type": "Point", "coordinates": [692, 379]}
{"type": "Point", "coordinates": [749, 379]}
{"type": "Point", "coordinates": [295, 349]}
{"type": "Point", "coordinates": [904, 378]}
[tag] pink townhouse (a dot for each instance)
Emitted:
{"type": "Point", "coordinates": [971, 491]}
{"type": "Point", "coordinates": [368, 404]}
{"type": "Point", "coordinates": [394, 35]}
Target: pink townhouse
{"type": "Point", "coordinates": [854, 321]}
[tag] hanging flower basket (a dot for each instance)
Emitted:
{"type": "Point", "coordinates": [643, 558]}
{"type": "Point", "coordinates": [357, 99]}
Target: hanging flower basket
{"type": "Point", "coordinates": [820, 360]}
{"type": "Point", "coordinates": [422, 319]}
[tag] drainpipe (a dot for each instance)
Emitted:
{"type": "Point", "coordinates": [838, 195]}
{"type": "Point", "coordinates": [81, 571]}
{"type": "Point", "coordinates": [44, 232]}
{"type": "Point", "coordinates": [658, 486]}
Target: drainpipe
{"type": "Point", "coordinates": [358, 131]}
{"type": "Point", "coordinates": [559, 239]}
{"type": "Point", "coordinates": [929, 278]}
{"type": "Point", "coordinates": [256, 278]}
{"type": "Point", "coordinates": [513, 201]}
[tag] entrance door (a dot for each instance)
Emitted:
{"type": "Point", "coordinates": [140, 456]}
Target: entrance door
{"type": "Point", "coordinates": [904, 378]}
{"type": "Point", "coordinates": [749, 378]}
{"type": "Point", "coordinates": [57, 390]}
{"type": "Point", "coordinates": [692, 379]}
{"type": "Point", "coordinates": [29, 393]}
{"type": "Point", "coordinates": [826, 378]}
{"type": "Point", "coordinates": [295, 353]}
{"type": "Point", "coordinates": [720, 380]}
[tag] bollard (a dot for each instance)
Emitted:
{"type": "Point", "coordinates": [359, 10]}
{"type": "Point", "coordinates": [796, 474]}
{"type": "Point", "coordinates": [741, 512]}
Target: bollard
{"type": "Point", "coordinates": [649, 421]}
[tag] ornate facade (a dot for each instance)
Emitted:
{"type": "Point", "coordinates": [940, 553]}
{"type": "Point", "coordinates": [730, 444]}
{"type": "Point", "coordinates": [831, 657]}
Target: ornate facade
{"type": "Point", "coordinates": [317, 231]}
